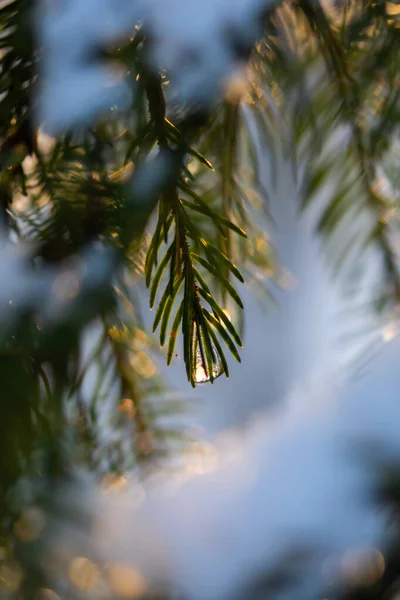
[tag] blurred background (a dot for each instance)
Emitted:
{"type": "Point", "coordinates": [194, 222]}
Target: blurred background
{"type": "Point", "coordinates": [199, 300]}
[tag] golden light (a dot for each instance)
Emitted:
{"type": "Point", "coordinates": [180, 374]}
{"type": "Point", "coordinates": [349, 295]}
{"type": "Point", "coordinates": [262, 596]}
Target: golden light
{"type": "Point", "coordinates": [202, 459]}
{"type": "Point", "coordinates": [141, 337]}
{"type": "Point", "coordinates": [363, 566]}
{"type": "Point", "coordinates": [388, 215]}
{"type": "Point", "coordinates": [112, 482]}
{"type": "Point", "coordinates": [277, 94]}
{"type": "Point", "coordinates": [126, 407]}
{"type": "Point", "coordinates": [124, 173]}
{"type": "Point", "coordinates": [30, 525]}
{"type": "Point", "coordinates": [236, 85]}
{"type": "Point", "coordinates": [125, 581]}
{"type": "Point", "coordinates": [48, 594]}
{"type": "Point", "coordinates": [11, 576]}
{"type": "Point", "coordinates": [392, 8]}
{"type": "Point", "coordinates": [84, 574]}
{"type": "Point", "coordinates": [143, 365]}
{"type": "Point", "coordinates": [381, 187]}
{"type": "Point", "coordinates": [389, 332]}
{"type": "Point", "coordinates": [226, 313]}
{"type": "Point", "coordinates": [45, 142]}
{"type": "Point", "coordinates": [115, 333]}
{"type": "Point", "coordinates": [261, 244]}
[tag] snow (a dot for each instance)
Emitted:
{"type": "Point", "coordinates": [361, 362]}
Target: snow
{"type": "Point", "coordinates": [297, 476]}
{"type": "Point", "coordinates": [76, 87]}
{"type": "Point", "coordinates": [53, 294]}
{"type": "Point", "coordinates": [192, 40]}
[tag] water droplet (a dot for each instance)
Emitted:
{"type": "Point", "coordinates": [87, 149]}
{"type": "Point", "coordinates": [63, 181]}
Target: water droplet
{"type": "Point", "coordinates": [201, 373]}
